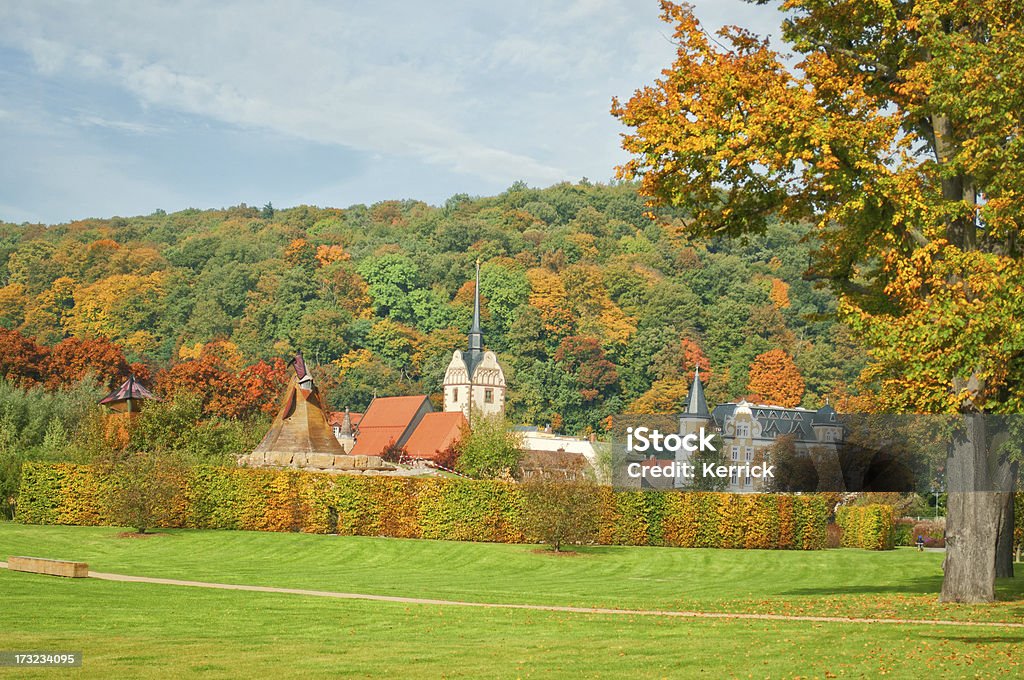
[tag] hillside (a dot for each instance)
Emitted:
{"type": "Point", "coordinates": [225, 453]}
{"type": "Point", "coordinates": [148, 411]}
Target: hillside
{"type": "Point", "coordinates": [592, 307]}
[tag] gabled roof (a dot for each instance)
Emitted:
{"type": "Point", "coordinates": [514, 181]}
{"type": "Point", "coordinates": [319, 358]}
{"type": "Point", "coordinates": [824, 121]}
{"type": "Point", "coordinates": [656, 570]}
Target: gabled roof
{"type": "Point", "coordinates": [129, 389]}
{"type": "Point", "coordinates": [388, 421]}
{"type": "Point", "coordinates": [391, 411]}
{"type": "Point", "coordinates": [435, 433]}
{"type": "Point", "coordinates": [373, 440]}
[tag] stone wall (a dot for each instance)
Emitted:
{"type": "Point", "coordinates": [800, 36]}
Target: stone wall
{"type": "Point", "coordinates": [323, 462]}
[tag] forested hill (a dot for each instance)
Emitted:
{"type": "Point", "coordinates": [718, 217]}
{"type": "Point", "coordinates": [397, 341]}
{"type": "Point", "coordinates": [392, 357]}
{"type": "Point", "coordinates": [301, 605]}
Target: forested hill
{"type": "Point", "coordinates": [592, 307]}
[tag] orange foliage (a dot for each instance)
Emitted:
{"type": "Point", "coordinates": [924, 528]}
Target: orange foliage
{"type": "Point", "coordinates": [548, 296]}
{"type": "Point", "coordinates": [22, 361]}
{"type": "Point", "coordinates": [665, 396]}
{"type": "Point", "coordinates": [326, 255]}
{"type": "Point", "coordinates": [73, 359]}
{"type": "Point", "coordinates": [775, 379]}
{"type": "Point", "coordinates": [779, 294]}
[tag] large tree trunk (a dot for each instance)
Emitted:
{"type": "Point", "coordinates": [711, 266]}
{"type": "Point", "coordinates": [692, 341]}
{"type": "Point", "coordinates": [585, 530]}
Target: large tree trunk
{"type": "Point", "coordinates": [1004, 538]}
{"type": "Point", "coordinates": [972, 520]}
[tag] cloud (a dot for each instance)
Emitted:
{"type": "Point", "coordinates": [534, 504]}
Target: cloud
{"type": "Point", "coordinates": [483, 92]}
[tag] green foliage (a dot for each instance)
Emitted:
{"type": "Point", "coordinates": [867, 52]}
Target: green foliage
{"type": "Point", "coordinates": [488, 450]}
{"type": "Point", "coordinates": [436, 508]}
{"type": "Point", "coordinates": [377, 297]}
{"type": "Point", "coordinates": [177, 426]}
{"type": "Point", "coordinates": [872, 527]}
{"type": "Point", "coordinates": [560, 512]}
{"type": "Point", "coordinates": [142, 490]}
{"type": "Point", "coordinates": [36, 424]}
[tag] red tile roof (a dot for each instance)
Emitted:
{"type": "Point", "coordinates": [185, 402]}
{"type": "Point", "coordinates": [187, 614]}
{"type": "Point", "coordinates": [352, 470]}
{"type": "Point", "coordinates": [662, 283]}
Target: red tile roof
{"type": "Point", "coordinates": [435, 433]}
{"type": "Point", "coordinates": [372, 441]}
{"type": "Point", "coordinates": [385, 422]}
{"type": "Point", "coordinates": [391, 411]}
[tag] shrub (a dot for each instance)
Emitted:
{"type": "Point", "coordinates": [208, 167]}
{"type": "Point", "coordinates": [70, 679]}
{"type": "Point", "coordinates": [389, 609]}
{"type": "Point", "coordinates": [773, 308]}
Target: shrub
{"type": "Point", "coordinates": [489, 450]}
{"type": "Point", "coordinates": [833, 536]}
{"type": "Point", "coordinates": [904, 531]}
{"type": "Point", "coordinates": [933, 532]}
{"type": "Point", "coordinates": [560, 512]}
{"type": "Point", "coordinates": [870, 526]}
{"type": "Point", "coordinates": [142, 491]}
{"type": "Point", "coordinates": [436, 508]}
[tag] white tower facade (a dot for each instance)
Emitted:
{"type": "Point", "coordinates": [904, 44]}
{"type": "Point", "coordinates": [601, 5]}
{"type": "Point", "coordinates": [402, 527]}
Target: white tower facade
{"type": "Point", "coordinates": [474, 382]}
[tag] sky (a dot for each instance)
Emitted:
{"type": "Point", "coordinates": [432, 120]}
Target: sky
{"type": "Point", "coordinates": [122, 108]}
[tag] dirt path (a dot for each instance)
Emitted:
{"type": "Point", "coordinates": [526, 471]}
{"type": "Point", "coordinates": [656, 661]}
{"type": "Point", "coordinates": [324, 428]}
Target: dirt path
{"type": "Point", "coordinates": [541, 607]}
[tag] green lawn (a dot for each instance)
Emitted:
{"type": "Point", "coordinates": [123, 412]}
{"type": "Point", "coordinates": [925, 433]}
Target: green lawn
{"type": "Point", "coordinates": [896, 584]}
{"type": "Point", "coordinates": [127, 629]}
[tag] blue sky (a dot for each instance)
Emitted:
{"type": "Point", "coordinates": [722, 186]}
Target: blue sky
{"type": "Point", "coordinates": [120, 108]}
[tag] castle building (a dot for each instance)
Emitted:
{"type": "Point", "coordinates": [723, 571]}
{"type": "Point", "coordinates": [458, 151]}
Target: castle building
{"type": "Point", "coordinates": [474, 382]}
{"type": "Point", "coordinates": [748, 431]}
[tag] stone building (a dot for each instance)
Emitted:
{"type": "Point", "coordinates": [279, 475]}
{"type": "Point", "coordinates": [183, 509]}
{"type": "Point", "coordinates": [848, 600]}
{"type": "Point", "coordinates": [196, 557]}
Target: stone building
{"type": "Point", "coordinates": [300, 436]}
{"type": "Point", "coordinates": [474, 382]}
{"type": "Point", "coordinates": [748, 431]}
{"type": "Point", "coordinates": [305, 435]}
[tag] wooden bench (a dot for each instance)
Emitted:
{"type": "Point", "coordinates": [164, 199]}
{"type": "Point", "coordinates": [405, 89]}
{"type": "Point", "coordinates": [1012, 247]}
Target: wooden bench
{"type": "Point", "coordinates": [40, 565]}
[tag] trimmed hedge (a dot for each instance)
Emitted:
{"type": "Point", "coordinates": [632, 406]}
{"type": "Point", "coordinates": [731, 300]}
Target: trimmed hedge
{"type": "Point", "coordinates": [435, 508]}
{"type": "Point", "coordinates": [872, 527]}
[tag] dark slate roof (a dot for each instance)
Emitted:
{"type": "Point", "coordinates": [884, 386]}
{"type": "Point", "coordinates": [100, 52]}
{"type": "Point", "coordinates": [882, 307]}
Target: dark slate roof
{"type": "Point", "coordinates": [826, 415]}
{"type": "Point", "coordinates": [696, 404]}
{"type": "Point", "coordinates": [795, 421]}
{"type": "Point", "coordinates": [129, 389]}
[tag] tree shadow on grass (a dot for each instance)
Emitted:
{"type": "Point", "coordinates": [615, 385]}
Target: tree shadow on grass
{"type": "Point", "coordinates": [918, 586]}
{"type": "Point", "coordinates": [987, 638]}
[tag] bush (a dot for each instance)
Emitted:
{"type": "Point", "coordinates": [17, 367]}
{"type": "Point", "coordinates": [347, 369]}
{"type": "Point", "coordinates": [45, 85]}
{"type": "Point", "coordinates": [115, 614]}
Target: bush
{"type": "Point", "coordinates": [437, 508]}
{"type": "Point", "coordinates": [904, 531]}
{"type": "Point", "coordinates": [871, 527]}
{"type": "Point", "coordinates": [834, 536]}
{"type": "Point", "coordinates": [934, 533]}
{"type": "Point", "coordinates": [489, 450]}
{"type": "Point", "coordinates": [560, 512]}
{"type": "Point", "coordinates": [142, 491]}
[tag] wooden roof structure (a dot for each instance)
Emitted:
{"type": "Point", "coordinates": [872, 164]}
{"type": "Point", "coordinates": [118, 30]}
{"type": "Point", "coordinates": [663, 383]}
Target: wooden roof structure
{"type": "Point", "coordinates": [128, 397]}
{"type": "Point", "coordinates": [301, 424]}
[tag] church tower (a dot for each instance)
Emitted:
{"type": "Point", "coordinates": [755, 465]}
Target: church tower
{"type": "Point", "coordinates": [692, 420]}
{"type": "Point", "coordinates": [474, 382]}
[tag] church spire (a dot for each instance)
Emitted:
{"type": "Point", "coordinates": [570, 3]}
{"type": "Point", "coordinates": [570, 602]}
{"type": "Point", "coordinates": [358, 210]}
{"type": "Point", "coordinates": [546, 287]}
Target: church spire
{"type": "Point", "coordinates": [476, 336]}
{"type": "Point", "coordinates": [696, 404]}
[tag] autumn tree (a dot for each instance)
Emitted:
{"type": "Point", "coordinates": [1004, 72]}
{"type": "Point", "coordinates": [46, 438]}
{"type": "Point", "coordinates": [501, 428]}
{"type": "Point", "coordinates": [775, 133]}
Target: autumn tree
{"type": "Point", "coordinates": [667, 395]}
{"type": "Point", "coordinates": [898, 137]}
{"type": "Point", "coordinates": [775, 379]}
{"type": "Point", "coordinates": [583, 357]}
{"type": "Point", "coordinates": [225, 387]}
{"type": "Point", "coordinates": [22, 361]}
{"type": "Point", "coordinates": [144, 488]}
{"type": "Point", "coordinates": [488, 450]}
{"type": "Point", "coordinates": [73, 359]}
{"type": "Point", "coordinates": [561, 512]}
